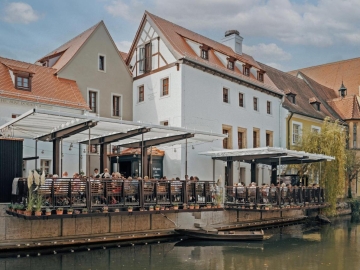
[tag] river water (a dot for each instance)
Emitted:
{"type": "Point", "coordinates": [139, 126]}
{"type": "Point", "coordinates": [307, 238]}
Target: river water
{"type": "Point", "coordinates": [335, 246]}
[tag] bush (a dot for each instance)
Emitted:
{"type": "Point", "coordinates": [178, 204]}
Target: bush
{"type": "Point", "coordinates": [355, 209]}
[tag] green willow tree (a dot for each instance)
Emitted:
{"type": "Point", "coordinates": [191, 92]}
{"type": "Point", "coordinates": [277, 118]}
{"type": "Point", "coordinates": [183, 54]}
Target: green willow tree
{"type": "Point", "coordinates": [352, 167]}
{"type": "Point", "coordinates": [330, 141]}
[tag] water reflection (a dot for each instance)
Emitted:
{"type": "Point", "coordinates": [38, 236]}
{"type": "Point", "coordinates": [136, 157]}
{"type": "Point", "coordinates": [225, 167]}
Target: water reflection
{"type": "Point", "coordinates": [332, 246]}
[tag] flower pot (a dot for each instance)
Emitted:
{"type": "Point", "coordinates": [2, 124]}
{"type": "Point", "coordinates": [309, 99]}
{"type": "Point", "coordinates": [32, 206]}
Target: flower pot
{"type": "Point", "coordinates": [37, 213]}
{"type": "Point", "coordinates": [219, 206]}
{"type": "Point", "coordinates": [130, 210]}
{"type": "Point", "coordinates": [59, 212]}
{"type": "Point", "coordinates": [116, 210]}
{"type": "Point", "coordinates": [197, 206]}
{"type": "Point", "coordinates": [176, 207]}
{"type": "Point", "coordinates": [151, 209]}
{"type": "Point", "coordinates": [267, 208]}
{"type": "Point", "coordinates": [191, 207]}
{"type": "Point", "coordinates": [76, 212]}
{"type": "Point", "coordinates": [157, 208]}
{"type": "Point", "coordinates": [69, 212]}
{"type": "Point", "coordinates": [48, 213]}
{"type": "Point", "coordinates": [27, 213]}
{"type": "Point", "coordinates": [208, 206]}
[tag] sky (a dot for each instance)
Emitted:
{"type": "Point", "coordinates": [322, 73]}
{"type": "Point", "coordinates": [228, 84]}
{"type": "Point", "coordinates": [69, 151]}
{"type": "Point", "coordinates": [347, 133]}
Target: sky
{"type": "Point", "coordinates": [285, 34]}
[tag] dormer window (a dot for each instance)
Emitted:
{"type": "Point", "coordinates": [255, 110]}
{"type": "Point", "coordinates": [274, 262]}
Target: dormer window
{"type": "Point", "coordinates": [246, 70]}
{"type": "Point", "coordinates": [23, 81]}
{"type": "Point", "coordinates": [315, 103]}
{"type": "Point", "coordinates": [204, 52]}
{"type": "Point", "coordinates": [342, 90]}
{"type": "Point", "coordinates": [291, 97]}
{"type": "Point", "coordinates": [230, 65]}
{"type": "Point", "coordinates": [260, 76]}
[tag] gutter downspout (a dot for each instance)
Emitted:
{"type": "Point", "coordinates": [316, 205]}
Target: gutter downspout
{"type": "Point", "coordinates": [288, 130]}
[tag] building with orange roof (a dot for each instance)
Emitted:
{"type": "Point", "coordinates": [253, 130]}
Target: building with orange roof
{"type": "Point", "coordinates": [94, 62]}
{"type": "Point", "coordinates": [184, 79]}
{"type": "Point", "coordinates": [24, 86]}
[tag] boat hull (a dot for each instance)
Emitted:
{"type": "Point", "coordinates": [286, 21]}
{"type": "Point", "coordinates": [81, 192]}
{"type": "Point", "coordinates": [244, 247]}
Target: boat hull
{"type": "Point", "coordinates": [236, 236]}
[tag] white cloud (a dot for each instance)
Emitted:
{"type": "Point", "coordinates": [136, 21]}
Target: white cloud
{"type": "Point", "coordinates": [124, 46]}
{"type": "Point", "coordinates": [18, 12]}
{"type": "Point", "coordinates": [267, 52]}
{"type": "Point", "coordinates": [318, 23]}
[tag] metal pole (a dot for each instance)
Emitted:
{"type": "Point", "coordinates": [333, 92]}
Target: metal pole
{"type": "Point", "coordinates": [142, 154]}
{"type": "Point", "coordinates": [61, 158]}
{"type": "Point", "coordinates": [79, 157]}
{"type": "Point", "coordinates": [151, 166]}
{"type": "Point", "coordinates": [320, 173]}
{"type": "Point", "coordinates": [117, 161]}
{"type": "Point", "coordinates": [88, 159]}
{"type": "Point", "coordinates": [279, 169]}
{"type": "Point", "coordinates": [36, 142]}
{"type": "Point", "coordinates": [186, 157]}
{"type": "Point", "coordinates": [213, 171]}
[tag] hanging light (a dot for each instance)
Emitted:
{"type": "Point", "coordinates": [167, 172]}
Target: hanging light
{"type": "Point", "coordinates": [42, 151]}
{"type": "Point", "coordinates": [192, 147]}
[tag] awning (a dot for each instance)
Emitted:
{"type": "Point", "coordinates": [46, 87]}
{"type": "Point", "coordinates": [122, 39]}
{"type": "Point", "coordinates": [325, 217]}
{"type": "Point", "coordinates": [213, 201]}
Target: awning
{"type": "Point", "coordinates": [267, 155]}
{"type": "Point", "coordinates": [46, 125]}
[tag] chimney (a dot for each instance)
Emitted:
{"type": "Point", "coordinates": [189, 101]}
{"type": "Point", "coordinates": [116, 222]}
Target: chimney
{"type": "Point", "coordinates": [233, 40]}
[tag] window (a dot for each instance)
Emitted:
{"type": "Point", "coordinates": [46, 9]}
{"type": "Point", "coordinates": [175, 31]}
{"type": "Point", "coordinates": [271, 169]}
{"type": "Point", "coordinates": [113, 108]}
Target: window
{"type": "Point", "coordinates": [291, 98]}
{"type": "Point", "coordinates": [296, 133]}
{"type": "Point", "coordinates": [241, 99]}
{"type": "Point", "coordinates": [116, 105]}
{"type": "Point", "coordinates": [165, 87]}
{"type": "Point", "coordinates": [315, 129]}
{"type": "Point", "coordinates": [268, 107]}
{"type": "Point", "coordinates": [101, 63]}
{"type": "Point", "coordinates": [145, 64]}
{"type": "Point", "coordinates": [269, 138]}
{"type": "Point", "coordinates": [260, 76]}
{"type": "Point", "coordinates": [241, 138]}
{"type": "Point", "coordinates": [354, 135]}
{"type": "Point", "coordinates": [230, 65]}
{"type": "Point", "coordinates": [256, 137]}
{"type": "Point", "coordinates": [317, 106]}
{"type": "Point", "coordinates": [204, 54]}
{"type": "Point", "coordinates": [93, 101]}
{"type": "Point", "coordinates": [225, 95]}
{"type": "Point", "coordinates": [246, 70]}
{"type": "Point", "coordinates": [164, 123]}
{"type": "Point", "coordinates": [22, 82]}
{"type": "Point", "coordinates": [141, 93]}
{"type": "Point", "coordinates": [227, 142]}
{"type": "Point", "coordinates": [255, 103]}
{"type": "Point", "coordinates": [45, 165]}
{"type": "Point", "coordinates": [15, 115]}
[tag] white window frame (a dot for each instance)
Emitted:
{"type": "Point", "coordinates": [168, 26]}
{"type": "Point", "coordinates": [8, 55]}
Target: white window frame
{"type": "Point", "coordinates": [243, 100]}
{"type": "Point", "coordinates": [161, 87]}
{"type": "Point", "coordinates": [258, 104]}
{"type": "Point", "coordinates": [315, 128]}
{"type": "Point", "coordinates": [137, 94]}
{"type": "Point", "coordinates": [98, 63]}
{"type": "Point", "coordinates": [41, 164]}
{"type": "Point", "coordinates": [163, 122]}
{"type": "Point", "coordinates": [97, 98]}
{"type": "Point", "coordinates": [222, 94]}
{"type": "Point", "coordinates": [271, 110]}
{"type": "Point", "coordinates": [112, 105]}
{"type": "Point", "coordinates": [292, 131]}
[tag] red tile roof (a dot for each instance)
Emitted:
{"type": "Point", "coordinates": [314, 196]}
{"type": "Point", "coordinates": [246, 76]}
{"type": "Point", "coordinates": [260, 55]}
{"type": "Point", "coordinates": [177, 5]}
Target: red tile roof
{"type": "Point", "coordinates": [69, 49]}
{"type": "Point", "coordinates": [45, 86]}
{"type": "Point", "coordinates": [304, 94]}
{"type": "Point", "coordinates": [123, 55]}
{"type": "Point", "coordinates": [332, 74]}
{"type": "Point", "coordinates": [347, 107]}
{"type": "Point", "coordinates": [177, 35]}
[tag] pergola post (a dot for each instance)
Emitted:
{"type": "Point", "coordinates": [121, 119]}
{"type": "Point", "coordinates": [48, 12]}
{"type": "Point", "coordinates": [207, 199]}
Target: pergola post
{"type": "Point", "coordinates": [56, 161]}
{"type": "Point", "coordinates": [229, 165]}
{"type": "Point", "coordinates": [273, 173]}
{"type": "Point", "coordinates": [36, 144]}
{"type": "Point", "coordinates": [103, 157]}
{"type": "Point", "coordinates": [145, 167]}
{"type": "Point", "coordinates": [253, 172]}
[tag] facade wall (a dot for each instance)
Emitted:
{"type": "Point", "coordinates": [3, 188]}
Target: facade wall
{"type": "Point", "coordinates": [116, 80]}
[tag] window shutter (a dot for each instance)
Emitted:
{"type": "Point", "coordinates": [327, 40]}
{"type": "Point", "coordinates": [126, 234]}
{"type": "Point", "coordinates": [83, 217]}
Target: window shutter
{"type": "Point", "coordinates": [142, 59]}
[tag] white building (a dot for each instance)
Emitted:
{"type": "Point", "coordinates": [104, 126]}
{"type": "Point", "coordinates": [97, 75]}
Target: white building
{"type": "Point", "coordinates": [184, 79]}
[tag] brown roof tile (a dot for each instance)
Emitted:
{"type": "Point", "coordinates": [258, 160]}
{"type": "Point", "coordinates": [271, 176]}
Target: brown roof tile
{"type": "Point", "coordinates": [123, 55]}
{"type": "Point", "coordinates": [69, 49]}
{"type": "Point", "coordinates": [176, 36]}
{"type": "Point", "coordinates": [304, 94]}
{"type": "Point", "coordinates": [45, 86]}
{"type": "Point", "coordinates": [331, 75]}
{"type": "Point", "coordinates": [347, 107]}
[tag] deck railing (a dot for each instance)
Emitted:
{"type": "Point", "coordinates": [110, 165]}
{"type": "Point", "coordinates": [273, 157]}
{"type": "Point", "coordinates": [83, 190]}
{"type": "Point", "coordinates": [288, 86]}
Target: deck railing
{"type": "Point", "coordinates": [118, 193]}
{"type": "Point", "coordinates": [276, 196]}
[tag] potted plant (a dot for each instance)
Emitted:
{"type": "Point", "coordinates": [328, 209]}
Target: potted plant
{"type": "Point", "coordinates": [59, 211]}
{"type": "Point", "coordinates": [10, 207]}
{"type": "Point", "coordinates": [130, 208]}
{"type": "Point", "coordinates": [76, 212]}
{"type": "Point", "coordinates": [84, 211]}
{"type": "Point", "coordinates": [142, 209]}
{"type": "Point", "coordinates": [38, 203]}
{"type": "Point", "coordinates": [105, 209]}
{"type": "Point", "coordinates": [176, 206]}
{"type": "Point", "coordinates": [191, 206]}
{"type": "Point", "coordinates": [70, 211]}
{"type": "Point", "coordinates": [151, 208]}
{"type": "Point", "coordinates": [30, 204]}
{"type": "Point", "coordinates": [116, 210]}
{"type": "Point", "coordinates": [157, 207]}
{"type": "Point", "coordinates": [184, 206]}
{"type": "Point", "coordinates": [197, 206]}
{"type": "Point", "coordinates": [48, 212]}
{"type": "Point", "coordinates": [208, 205]}
{"type": "Point", "coordinates": [162, 207]}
